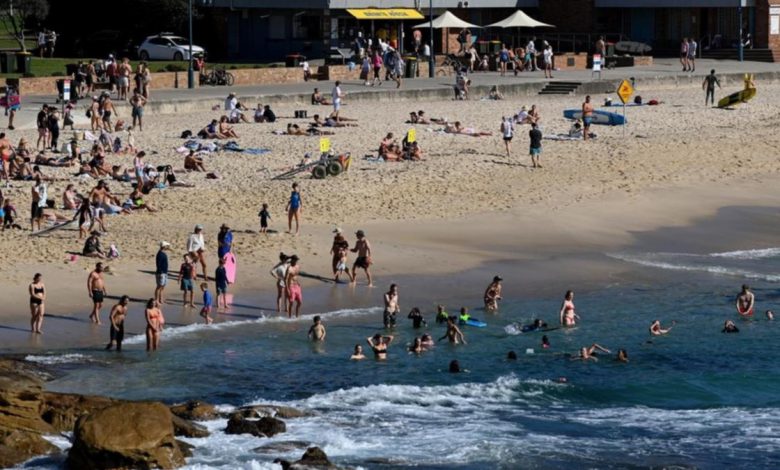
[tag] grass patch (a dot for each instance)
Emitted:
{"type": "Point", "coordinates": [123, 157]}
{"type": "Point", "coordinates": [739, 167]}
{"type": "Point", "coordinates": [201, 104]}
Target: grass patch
{"type": "Point", "coordinates": [56, 66]}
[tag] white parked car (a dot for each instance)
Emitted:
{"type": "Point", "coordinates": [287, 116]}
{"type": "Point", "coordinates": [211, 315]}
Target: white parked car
{"type": "Point", "coordinates": [166, 46]}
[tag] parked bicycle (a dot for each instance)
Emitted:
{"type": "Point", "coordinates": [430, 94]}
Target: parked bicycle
{"type": "Point", "coordinates": [217, 77]}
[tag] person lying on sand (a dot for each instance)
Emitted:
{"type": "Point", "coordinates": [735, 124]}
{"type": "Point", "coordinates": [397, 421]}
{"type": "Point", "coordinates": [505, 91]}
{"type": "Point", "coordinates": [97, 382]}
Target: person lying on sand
{"type": "Point", "coordinates": [422, 119]}
{"type": "Point", "coordinates": [457, 128]}
{"type": "Point", "coordinates": [193, 162]}
{"type": "Point", "coordinates": [329, 122]}
{"type": "Point", "coordinates": [340, 118]}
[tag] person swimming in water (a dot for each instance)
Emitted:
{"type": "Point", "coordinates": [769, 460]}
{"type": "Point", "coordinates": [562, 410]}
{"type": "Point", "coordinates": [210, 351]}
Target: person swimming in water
{"type": "Point", "coordinates": [379, 344]}
{"type": "Point", "coordinates": [453, 334]}
{"type": "Point", "coordinates": [567, 315]}
{"type": "Point", "coordinates": [622, 355]}
{"type": "Point", "coordinates": [745, 302]}
{"type": "Point", "coordinates": [511, 356]}
{"type": "Point", "coordinates": [730, 327]}
{"type": "Point", "coordinates": [426, 341]}
{"type": "Point", "coordinates": [770, 315]}
{"type": "Point", "coordinates": [493, 294]}
{"type": "Point", "coordinates": [417, 319]}
{"type": "Point", "coordinates": [357, 354]}
{"type": "Point", "coordinates": [416, 347]}
{"type": "Point", "coordinates": [454, 367]}
{"type": "Point", "coordinates": [441, 315]}
{"type": "Point", "coordinates": [656, 330]}
{"type": "Point", "coordinates": [589, 353]}
{"type": "Point", "coordinates": [464, 316]}
{"type": "Point", "coordinates": [536, 325]}
{"type": "Point", "coordinates": [545, 342]}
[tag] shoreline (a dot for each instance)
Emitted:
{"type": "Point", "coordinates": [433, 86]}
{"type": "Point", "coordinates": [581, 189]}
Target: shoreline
{"type": "Point", "coordinates": [545, 253]}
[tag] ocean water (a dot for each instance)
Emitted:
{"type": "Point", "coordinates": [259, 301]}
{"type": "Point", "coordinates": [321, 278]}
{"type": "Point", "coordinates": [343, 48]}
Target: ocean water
{"type": "Point", "coordinates": [696, 398]}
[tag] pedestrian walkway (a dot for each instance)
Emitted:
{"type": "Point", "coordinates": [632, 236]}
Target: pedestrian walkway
{"type": "Point", "coordinates": [202, 99]}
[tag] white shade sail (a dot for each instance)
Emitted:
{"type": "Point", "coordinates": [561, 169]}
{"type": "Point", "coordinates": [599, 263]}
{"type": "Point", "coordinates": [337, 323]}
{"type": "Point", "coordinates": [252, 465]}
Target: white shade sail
{"type": "Point", "coordinates": [519, 19]}
{"type": "Point", "coordinates": [447, 20]}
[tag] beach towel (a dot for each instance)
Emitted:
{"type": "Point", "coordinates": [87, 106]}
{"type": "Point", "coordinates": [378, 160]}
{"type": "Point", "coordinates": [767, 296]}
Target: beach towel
{"type": "Point", "coordinates": [561, 137]}
{"type": "Point", "coordinates": [256, 151]}
{"type": "Point", "coordinates": [232, 146]}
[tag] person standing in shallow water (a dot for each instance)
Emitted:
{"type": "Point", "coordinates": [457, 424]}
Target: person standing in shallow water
{"type": "Point", "coordinates": [567, 315]}
{"type": "Point", "coordinates": [154, 325]}
{"type": "Point", "coordinates": [37, 306]}
{"type": "Point", "coordinates": [745, 302]}
{"type": "Point", "coordinates": [363, 249]}
{"type": "Point", "coordinates": [294, 294]}
{"type": "Point", "coordinates": [117, 319]}
{"type": "Point", "coordinates": [493, 294]}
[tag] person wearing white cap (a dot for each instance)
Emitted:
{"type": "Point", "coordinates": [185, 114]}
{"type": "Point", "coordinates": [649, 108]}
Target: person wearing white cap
{"type": "Point", "coordinates": [196, 248]}
{"type": "Point", "coordinates": [161, 272]}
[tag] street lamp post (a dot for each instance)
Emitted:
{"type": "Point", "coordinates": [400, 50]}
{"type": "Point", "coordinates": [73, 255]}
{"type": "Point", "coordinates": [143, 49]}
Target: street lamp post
{"type": "Point", "coordinates": [190, 71]}
{"type": "Point", "coordinates": [740, 47]}
{"type": "Point", "coordinates": [431, 58]}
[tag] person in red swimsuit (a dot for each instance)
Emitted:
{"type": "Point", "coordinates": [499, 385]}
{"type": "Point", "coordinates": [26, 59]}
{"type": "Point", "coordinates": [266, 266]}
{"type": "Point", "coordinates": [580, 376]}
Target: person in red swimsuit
{"type": "Point", "coordinates": [745, 302]}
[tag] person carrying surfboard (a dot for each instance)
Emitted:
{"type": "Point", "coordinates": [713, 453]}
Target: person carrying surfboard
{"type": "Point", "coordinates": [709, 85]}
{"type": "Point", "coordinates": [745, 302]}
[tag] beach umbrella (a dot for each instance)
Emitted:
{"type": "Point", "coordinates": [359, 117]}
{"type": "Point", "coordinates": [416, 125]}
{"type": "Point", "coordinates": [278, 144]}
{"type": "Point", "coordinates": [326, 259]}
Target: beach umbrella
{"type": "Point", "coordinates": [519, 19]}
{"type": "Point", "coordinates": [447, 20]}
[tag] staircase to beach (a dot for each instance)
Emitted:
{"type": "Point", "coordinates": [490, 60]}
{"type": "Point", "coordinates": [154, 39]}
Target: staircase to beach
{"type": "Point", "coordinates": [560, 88]}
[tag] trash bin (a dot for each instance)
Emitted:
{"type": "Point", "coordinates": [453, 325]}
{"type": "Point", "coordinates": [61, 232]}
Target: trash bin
{"type": "Point", "coordinates": [411, 66]}
{"type": "Point", "coordinates": [7, 62]}
{"type": "Point", "coordinates": [24, 63]}
{"type": "Point", "coordinates": [294, 60]}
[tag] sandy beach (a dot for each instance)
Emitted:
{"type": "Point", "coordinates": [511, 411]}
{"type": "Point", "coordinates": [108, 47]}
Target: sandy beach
{"type": "Point", "coordinates": [467, 203]}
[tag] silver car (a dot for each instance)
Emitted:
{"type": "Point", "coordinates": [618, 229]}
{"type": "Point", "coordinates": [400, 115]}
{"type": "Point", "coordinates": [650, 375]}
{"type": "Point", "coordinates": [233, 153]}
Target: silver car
{"type": "Point", "coordinates": [166, 46]}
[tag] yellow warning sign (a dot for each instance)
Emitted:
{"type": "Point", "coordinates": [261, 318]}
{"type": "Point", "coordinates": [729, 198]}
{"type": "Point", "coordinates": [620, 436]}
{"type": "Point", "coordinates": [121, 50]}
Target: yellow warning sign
{"type": "Point", "coordinates": [411, 136]}
{"type": "Point", "coordinates": [324, 145]}
{"type": "Point", "coordinates": [625, 90]}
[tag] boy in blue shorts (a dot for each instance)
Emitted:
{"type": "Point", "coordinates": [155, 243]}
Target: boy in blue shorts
{"type": "Point", "coordinates": [220, 276]}
{"type": "Point", "coordinates": [207, 301]}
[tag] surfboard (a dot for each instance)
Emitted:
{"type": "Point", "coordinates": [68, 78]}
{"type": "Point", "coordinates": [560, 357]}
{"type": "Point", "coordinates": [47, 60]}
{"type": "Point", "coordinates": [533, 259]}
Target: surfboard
{"type": "Point", "coordinates": [632, 47]}
{"type": "Point", "coordinates": [230, 267]}
{"type": "Point", "coordinates": [738, 97]}
{"type": "Point", "coordinates": [605, 118]}
{"type": "Point", "coordinates": [52, 228]}
{"type": "Point", "coordinates": [477, 323]}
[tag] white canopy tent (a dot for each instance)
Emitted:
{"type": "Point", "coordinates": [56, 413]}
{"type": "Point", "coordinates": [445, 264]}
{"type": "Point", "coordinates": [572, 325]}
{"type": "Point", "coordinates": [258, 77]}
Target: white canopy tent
{"type": "Point", "coordinates": [446, 20]}
{"type": "Point", "coordinates": [519, 19]}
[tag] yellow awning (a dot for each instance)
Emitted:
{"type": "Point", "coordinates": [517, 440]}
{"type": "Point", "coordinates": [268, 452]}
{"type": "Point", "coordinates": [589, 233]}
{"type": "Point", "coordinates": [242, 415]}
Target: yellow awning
{"type": "Point", "coordinates": [385, 13]}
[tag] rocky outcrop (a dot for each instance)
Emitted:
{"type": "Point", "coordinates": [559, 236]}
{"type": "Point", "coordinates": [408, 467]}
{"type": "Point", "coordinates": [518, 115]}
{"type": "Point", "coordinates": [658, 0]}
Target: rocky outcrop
{"type": "Point", "coordinates": [182, 427]}
{"type": "Point", "coordinates": [263, 427]}
{"type": "Point", "coordinates": [195, 411]}
{"type": "Point", "coordinates": [62, 410]}
{"type": "Point", "coordinates": [273, 411]}
{"type": "Point", "coordinates": [21, 426]}
{"type": "Point", "coordinates": [313, 458]}
{"type": "Point", "coordinates": [125, 436]}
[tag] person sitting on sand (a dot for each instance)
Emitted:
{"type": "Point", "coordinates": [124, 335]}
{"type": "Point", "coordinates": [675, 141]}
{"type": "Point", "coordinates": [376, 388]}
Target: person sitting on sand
{"type": "Point", "coordinates": [225, 129]}
{"type": "Point", "coordinates": [136, 198]}
{"type": "Point", "coordinates": [318, 99]}
{"type": "Point", "coordinates": [589, 353]}
{"type": "Point", "coordinates": [414, 152]}
{"type": "Point", "coordinates": [457, 128]}
{"type": "Point", "coordinates": [656, 330]}
{"type": "Point", "coordinates": [71, 200]}
{"type": "Point", "coordinates": [92, 248]}
{"type": "Point", "coordinates": [494, 94]}
{"type": "Point", "coordinates": [522, 116]}
{"type": "Point", "coordinates": [211, 131]}
{"type": "Point", "coordinates": [193, 162]}
{"type": "Point", "coordinates": [534, 116]}
{"type": "Point", "coordinates": [730, 327]}
{"type": "Point", "coordinates": [357, 354]}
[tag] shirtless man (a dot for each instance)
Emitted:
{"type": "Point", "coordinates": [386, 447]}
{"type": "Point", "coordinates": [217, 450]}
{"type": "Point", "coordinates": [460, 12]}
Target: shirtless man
{"type": "Point", "coordinates": [657, 330]}
{"type": "Point", "coordinates": [124, 78]}
{"type": "Point", "coordinates": [293, 287]}
{"type": "Point", "coordinates": [108, 110]}
{"type": "Point", "coordinates": [96, 287]}
{"type": "Point", "coordinates": [745, 302]}
{"type": "Point", "coordinates": [587, 117]}
{"type": "Point", "coordinates": [493, 294]}
{"type": "Point", "coordinates": [363, 261]}
{"type": "Point", "coordinates": [391, 306]}
{"type": "Point", "coordinates": [317, 331]}
{"type": "Point", "coordinates": [453, 334]}
{"type": "Point", "coordinates": [589, 353]}
{"type": "Point", "coordinates": [117, 318]}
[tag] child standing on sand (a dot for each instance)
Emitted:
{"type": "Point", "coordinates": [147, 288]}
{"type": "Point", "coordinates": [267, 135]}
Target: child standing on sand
{"type": "Point", "coordinates": [264, 216]}
{"type": "Point", "coordinates": [207, 301]}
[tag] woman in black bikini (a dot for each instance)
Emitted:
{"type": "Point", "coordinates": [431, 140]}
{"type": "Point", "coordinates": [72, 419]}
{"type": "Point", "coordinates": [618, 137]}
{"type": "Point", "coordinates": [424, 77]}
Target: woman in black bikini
{"type": "Point", "coordinates": [37, 297]}
{"type": "Point", "coordinates": [379, 344]}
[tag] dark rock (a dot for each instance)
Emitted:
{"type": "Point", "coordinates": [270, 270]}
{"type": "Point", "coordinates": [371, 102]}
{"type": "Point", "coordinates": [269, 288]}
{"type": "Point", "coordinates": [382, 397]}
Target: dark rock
{"type": "Point", "coordinates": [314, 456]}
{"type": "Point", "coordinates": [17, 446]}
{"type": "Point", "coordinates": [274, 411]}
{"type": "Point", "coordinates": [186, 448]}
{"type": "Point", "coordinates": [195, 411]}
{"type": "Point", "coordinates": [183, 427]}
{"type": "Point", "coordinates": [125, 436]}
{"type": "Point", "coordinates": [62, 410]}
{"type": "Point", "coordinates": [281, 447]}
{"type": "Point", "coordinates": [264, 427]}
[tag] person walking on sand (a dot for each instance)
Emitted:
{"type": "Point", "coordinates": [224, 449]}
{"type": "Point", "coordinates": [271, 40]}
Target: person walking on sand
{"type": "Point", "coordinates": [684, 54]}
{"type": "Point", "coordinates": [535, 150]}
{"type": "Point", "coordinates": [96, 287]}
{"type": "Point", "coordinates": [117, 319]}
{"type": "Point", "coordinates": [363, 249]}
{"type": "Point", "coordinates": [161, 272]}
{"type": "Point", "coordinates": [294, 294]}
{"type": "Point", "coordinates": [391, 307]}
{"type": "Point", "coordinates": [746, 301]}
{"type": "Point", "coordinates": [196, 247]}
{"type": "Point", "coordinates": [154, 325]}
{"type": "Point", "coordinates": [294, 209]}
{"type": "Point", "coordinates": [587, 117]}
{"type": "Point", "coordinates": [317, 331]}
{"type": "Point", "coordinates": [493, 294]}
{"type": "Point", "coordinates": [507, 131]}
{"type": "Point", "coordinates": [692, 47]}
{"type": "Point", "coordinates": [187, 276]}
{"type": "Point", "coordinates": [709, 85]}
{"type": "Point", "coordinates": [279, 272]}
{"type": "Point", "coordinates": [37, 303]}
